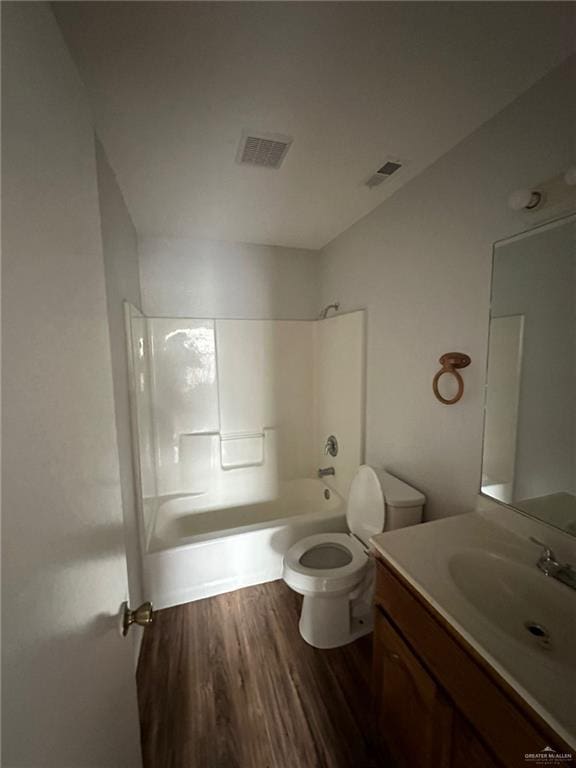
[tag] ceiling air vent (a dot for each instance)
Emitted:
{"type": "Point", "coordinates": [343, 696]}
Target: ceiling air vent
{"type": "Point", "coordinates": [265, 150]}
{"type": "Point", "coordinates": [384, 173]}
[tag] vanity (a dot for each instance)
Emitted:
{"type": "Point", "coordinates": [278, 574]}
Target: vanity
{"type": "Point", "coordinates": [474, 663]}
{"type": "Point", "coordinates": [475, 615]}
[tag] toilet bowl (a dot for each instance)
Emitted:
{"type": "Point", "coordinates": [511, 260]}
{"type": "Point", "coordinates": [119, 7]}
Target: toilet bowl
{"type": "Point", "coordinates": [333, 572]}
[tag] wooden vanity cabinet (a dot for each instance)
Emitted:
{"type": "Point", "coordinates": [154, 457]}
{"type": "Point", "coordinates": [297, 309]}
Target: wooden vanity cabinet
{"type": "Point", "coordinates": [437, 703]}
{"type": "Point", "coordinates": [409, 703]}
{"type": "Point", "coordinates": [467, 750]}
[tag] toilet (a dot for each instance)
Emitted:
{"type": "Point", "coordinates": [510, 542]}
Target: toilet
{"type": "Point", "coordinates": [333, 571]}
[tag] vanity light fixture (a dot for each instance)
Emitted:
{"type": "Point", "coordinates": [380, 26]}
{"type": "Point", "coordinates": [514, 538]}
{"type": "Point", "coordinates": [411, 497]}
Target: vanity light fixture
{"type": "Point", "coordinates": [525, 199]}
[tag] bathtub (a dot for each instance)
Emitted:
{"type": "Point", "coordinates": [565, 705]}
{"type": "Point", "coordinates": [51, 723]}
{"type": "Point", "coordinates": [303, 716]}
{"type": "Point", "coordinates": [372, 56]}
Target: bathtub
{"type": "Point", "coordinates": [200, 548]}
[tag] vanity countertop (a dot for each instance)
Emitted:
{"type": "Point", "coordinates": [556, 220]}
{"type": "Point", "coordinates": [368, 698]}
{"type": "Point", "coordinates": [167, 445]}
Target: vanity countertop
{"type": "Point", "coordinates": [483, 580]}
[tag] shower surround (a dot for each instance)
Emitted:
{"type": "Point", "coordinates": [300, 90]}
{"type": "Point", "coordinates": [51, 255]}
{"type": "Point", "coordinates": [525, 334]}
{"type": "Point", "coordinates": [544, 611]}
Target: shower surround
{"type": "Point", "coordinates": [230, 420]}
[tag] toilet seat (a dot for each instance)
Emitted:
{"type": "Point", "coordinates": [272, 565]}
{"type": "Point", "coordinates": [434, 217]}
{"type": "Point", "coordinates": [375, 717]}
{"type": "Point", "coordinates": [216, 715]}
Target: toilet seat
{"type": "Point", "coordinates": [310, 580]}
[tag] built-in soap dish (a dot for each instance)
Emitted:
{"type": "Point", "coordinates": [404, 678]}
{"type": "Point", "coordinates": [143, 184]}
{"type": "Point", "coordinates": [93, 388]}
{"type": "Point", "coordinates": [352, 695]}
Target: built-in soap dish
{"type": "Point", "coordinates": [242, 450]}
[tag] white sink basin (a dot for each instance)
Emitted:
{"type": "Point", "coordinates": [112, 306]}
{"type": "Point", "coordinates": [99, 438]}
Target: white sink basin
{"type": "Point", "coordinates": [518, 600]}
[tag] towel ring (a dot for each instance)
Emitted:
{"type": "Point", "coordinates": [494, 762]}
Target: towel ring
{"type": "Point", "coordinates": [451, 362]}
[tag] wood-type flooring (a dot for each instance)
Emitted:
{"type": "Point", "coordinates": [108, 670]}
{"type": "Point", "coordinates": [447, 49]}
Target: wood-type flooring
{"type": "Point", "coordinates": [228, 682]}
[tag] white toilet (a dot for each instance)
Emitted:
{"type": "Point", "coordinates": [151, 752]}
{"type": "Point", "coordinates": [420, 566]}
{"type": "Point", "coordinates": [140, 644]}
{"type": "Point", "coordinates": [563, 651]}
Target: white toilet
{"type": "Point", "coordinates": [333, 571]}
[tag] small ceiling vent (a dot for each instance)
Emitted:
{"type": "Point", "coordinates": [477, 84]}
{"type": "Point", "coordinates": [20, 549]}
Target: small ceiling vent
{"type": "Point", "coordinates": [265, 150]}
{"type": "Point", "coordinates": [384, 173]}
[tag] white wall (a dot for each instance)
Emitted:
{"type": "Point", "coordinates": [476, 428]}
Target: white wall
{"type": "Point", "coordinates": [266, 378]}
{"type": "Point", "coordinates": [184, 400]}
{"type": "Point", "coordinates": [339, 354]}
{"type": "Point", "coordinates": [241, 406]}
{"type": "Point", "coordinates": [242, 387]}
{"type": "Point", "coordinates": [120, 250]}
{"type": "Point", "coordinates": [420, 264]}
{"type": "Point", "coordinates": [69, 696]}
{"type": "Point", "coordinates": [204, 278]}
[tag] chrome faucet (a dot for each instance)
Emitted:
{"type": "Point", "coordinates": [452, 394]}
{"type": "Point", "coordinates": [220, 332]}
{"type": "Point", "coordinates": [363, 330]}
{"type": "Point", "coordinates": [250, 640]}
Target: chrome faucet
{"type": "Point", "coordinates": [549, 566]}
{"type": "Point", "coordinates": [326, 471]}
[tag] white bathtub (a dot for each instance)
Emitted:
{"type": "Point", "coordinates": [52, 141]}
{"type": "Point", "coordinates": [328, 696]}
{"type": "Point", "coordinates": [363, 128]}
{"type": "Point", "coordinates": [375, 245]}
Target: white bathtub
{"type": "Point", "coordinates": [198, 550]}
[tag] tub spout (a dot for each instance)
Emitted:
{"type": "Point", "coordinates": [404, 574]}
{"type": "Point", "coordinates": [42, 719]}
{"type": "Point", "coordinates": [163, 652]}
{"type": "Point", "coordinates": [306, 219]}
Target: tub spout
{"type": "Point", "coordinates": [326, 471]}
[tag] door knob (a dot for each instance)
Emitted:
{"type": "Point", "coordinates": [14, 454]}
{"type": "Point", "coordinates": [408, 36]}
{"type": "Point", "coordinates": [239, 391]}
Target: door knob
{"type": "Point", "coordinates": [143, 616]}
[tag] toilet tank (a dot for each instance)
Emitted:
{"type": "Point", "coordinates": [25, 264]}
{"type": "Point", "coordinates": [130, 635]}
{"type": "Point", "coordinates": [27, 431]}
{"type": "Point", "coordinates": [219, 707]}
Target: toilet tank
{"type": "Point", "coordinates": [404, 504]}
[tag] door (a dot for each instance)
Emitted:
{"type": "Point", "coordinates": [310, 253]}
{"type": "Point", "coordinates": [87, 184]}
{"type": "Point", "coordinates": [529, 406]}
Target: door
{"type": "Point", "coordinates": [68, 676]}
{"type": "Point", "coordinates": [412, 713]}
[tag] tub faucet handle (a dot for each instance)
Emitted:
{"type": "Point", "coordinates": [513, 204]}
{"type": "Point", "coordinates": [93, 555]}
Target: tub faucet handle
{"type": "Point", "coordinates": [331, 447]}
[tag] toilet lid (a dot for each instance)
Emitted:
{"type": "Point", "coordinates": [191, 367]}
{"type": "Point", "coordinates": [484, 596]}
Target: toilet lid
{"type": "Point", "coordinates": [366, 509]}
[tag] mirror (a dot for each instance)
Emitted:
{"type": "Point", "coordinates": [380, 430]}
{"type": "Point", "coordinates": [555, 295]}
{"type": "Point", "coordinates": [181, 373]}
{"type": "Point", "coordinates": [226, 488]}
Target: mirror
{"type": "Point", "coordinates": [529, 454]}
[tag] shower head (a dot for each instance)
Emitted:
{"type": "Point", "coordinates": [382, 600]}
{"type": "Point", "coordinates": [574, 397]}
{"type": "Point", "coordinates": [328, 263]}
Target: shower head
{"type": "Point", "coordinates": [324, 313]}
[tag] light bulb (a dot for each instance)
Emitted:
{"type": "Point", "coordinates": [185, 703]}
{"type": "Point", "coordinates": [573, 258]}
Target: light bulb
{"type": "Point", "coordinates": [524, 200]}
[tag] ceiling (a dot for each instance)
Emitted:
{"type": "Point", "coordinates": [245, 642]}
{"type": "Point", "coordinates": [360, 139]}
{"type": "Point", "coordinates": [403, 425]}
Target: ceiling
{"type": "Point", "coordinates": [174, 85]}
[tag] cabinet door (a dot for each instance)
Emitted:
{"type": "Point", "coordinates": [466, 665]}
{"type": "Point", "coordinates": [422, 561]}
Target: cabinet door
{"type": "Point", "coordinates": [468, 751]}
{"type": "Point", "coordinates": [412, 715]}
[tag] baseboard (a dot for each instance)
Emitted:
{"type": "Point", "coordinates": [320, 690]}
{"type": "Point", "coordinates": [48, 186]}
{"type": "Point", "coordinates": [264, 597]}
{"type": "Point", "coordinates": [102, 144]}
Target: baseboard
{"type": "Point", "coordinates": [190, 594]}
